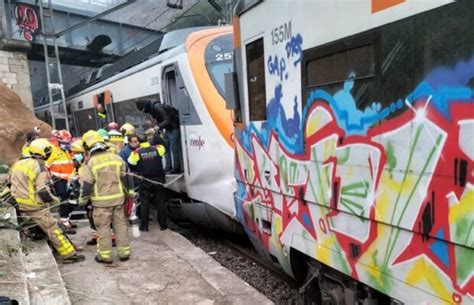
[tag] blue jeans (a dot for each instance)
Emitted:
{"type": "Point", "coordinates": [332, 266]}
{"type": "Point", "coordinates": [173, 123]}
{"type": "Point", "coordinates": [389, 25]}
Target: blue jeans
{"type": "Point", "coordinates": [166, 144]}
{"type": "Point", "coordinates": [173, 137]}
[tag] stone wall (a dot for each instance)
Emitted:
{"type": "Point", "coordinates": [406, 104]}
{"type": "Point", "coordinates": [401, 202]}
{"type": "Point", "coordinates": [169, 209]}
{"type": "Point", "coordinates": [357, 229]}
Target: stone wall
{"type": "Point", "coordinates": [15, 74]}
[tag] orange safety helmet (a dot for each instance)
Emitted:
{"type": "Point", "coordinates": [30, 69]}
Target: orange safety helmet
{"type": "Point", "coordinates": [64, 136]}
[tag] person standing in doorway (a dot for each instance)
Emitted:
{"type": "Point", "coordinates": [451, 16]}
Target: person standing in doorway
{"type": "Point", "coordinates": [167, 119]}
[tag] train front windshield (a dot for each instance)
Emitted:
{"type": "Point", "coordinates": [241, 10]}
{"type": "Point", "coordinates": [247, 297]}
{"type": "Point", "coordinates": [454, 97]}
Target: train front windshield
{"type": "Point", "coordinates": [219, 54]}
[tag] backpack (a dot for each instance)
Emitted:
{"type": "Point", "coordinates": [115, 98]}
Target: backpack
{"type": "Point", "coordinates": [174, 113]}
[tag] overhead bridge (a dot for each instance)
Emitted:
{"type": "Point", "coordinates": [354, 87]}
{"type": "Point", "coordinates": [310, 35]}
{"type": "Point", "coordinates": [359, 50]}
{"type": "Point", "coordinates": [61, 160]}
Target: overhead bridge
{"type": "Point", "coordinates": [94, 44]}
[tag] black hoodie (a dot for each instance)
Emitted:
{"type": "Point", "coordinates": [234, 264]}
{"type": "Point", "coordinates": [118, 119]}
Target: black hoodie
{"type": "Point", "coordinates": [164, 115]}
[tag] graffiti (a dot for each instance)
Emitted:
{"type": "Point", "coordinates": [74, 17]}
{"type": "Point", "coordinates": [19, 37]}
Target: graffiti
{"type": "Point", "coordinates": [294, 49]}
{"type": "Point", "coordinates": [277, 66]}
{"type": "Point", "coordinates": [27, 20]}
{"type": "Point", "coordinates": [384, 198]}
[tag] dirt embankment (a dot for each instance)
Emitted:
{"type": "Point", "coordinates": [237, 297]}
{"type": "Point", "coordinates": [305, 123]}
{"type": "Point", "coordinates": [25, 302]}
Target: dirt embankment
{"type": "Point", "coordinates": [16, 120]}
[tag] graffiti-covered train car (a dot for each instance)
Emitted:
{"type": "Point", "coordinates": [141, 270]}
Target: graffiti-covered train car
{"type": "Point", "coordinates": [355, 145]}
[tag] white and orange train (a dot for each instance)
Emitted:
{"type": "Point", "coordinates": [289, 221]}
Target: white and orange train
{"type": "Point", "coordinates": [187, 72]}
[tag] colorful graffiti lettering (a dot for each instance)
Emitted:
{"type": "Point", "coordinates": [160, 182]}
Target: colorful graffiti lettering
{"type": "Point", "coordinates": [26, 20]}
{"type": "Point", "coordinates": [387, 199]}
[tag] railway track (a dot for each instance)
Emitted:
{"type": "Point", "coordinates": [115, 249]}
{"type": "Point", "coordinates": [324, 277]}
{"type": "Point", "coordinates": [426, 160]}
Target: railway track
{"type": "Point", "coordinates": [254, 257]}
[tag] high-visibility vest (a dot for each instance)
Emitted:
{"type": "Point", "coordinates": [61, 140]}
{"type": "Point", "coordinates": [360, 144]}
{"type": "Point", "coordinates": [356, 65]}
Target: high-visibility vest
{"type": "Point", "coordinates": [60, 164]}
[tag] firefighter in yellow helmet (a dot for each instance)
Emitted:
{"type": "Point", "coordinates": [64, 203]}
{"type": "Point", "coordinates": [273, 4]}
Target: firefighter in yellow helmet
{"type": "Point", "coordinates": [29, 187]}
{"type": "Point", "coordinates": [105, 182]}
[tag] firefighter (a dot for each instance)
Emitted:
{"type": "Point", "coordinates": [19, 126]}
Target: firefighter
{"type": "Point", "coordinates": [61, 166]}
{"type": "Point", "coordinates": [147, 160]}
{"type": "Point", "coordinates": [105, 182]}
{"type": "Point", "coordinates": [116, 137]}
{"type": "Point", "coordinates": [30, 189]}
{"type": "Point", "coordinates": [127, 129]}
{"type": "Point", "coordinates": [105, 135]}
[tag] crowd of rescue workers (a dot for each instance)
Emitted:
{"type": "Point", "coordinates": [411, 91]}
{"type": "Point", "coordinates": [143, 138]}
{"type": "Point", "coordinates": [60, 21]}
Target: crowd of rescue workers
{"type": "Point", "coordinates": [114, 173]}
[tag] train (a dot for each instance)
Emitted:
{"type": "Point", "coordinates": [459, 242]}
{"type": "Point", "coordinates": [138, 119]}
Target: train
{"type": "Point", "coordinates": [354, 128]}
{"type": "Point", "coordinates": [184, 69]}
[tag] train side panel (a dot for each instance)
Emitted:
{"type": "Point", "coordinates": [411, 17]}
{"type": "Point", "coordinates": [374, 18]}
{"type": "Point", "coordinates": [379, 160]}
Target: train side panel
{"type": "Point", "coordinates": [361, 155]}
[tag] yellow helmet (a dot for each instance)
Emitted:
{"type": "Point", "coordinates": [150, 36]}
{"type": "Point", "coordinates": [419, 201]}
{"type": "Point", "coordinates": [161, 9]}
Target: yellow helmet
{"type": "Point", "coordinates": [41, 148]}
{"type": "Point", "coordinates": [78, 146]}
{"type": "Point", "coordinates": [127, 129]}
{"type": "Point", "coordinates": [91, 138]}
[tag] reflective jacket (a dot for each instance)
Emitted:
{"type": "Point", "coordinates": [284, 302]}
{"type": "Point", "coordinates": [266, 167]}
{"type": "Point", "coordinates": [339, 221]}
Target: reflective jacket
{"type": "Point", "coordinates": [29, 184]}
{"type": "Point", "coordinates": [60, 163]}
{"type": "Point", "coordinates": [104, 180]}
{"type": "Point", "coordinates": [115, 136]}
{"type": "Point", "coordinates": [25, 151]}
{"type": "Point", "coordinates": [147, 160]}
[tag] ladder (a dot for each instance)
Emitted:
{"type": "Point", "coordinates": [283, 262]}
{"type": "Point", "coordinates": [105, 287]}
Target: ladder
{"type": "Point", "coordinates": [53, 64]}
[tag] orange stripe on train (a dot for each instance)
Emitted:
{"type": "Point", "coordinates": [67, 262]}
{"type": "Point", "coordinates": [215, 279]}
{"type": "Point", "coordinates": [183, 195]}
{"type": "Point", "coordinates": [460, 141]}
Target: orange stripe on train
{"type": "Point", "coordinates": [196, 46]}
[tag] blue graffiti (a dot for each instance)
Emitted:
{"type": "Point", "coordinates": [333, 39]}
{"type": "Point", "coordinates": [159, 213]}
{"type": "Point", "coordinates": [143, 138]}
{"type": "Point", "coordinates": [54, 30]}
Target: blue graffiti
{"type": "Point", "coordinates": [348, 117]}
{"type": "Point", "coordinates": [294, 49]}
{"type": "Point", "coordinates": [440, 248]}
{"type": "Point", "coordinates": [287, 129]}
{"type": "Point", "coordinates": [445, 86]}
{"type": "Point", "coordinates": [277, 66]}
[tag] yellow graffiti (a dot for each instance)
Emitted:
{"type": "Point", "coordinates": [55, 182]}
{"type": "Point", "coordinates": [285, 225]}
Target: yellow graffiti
{"type": "Point", "coordinates": [388, 189]}
{"type": "Point", "coordinates": [464, 208]}
{"type": "Point", "coordinates": [421, 272]}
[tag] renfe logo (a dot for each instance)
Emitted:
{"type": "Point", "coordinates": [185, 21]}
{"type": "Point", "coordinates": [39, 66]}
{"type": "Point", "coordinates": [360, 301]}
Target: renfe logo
{"type": "Point", "coordinates": [380, 5]}
{"type": "Point", "coordinates": [199, 142]}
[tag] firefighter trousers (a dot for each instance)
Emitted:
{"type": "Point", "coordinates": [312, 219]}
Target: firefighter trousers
{"type": "Point", "coordinates": [103, 218]}
{"type": "Point", "coordinates": [48, 224]}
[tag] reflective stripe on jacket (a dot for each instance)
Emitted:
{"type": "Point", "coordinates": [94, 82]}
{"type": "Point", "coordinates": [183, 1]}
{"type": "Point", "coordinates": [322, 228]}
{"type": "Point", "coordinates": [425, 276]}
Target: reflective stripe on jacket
{"type": "Point", "coordinates": [104, 171]}
{"type": "Point", "coordinates": [27, 178]}
{"type": "Point", "coordinates": [147, 160]}
{"type": "Point", "coordinates": [60, 164]}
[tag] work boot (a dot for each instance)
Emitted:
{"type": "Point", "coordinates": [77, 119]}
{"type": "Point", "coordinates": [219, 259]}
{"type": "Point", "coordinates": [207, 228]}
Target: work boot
{"type": "Point", "coordinates": [102, 261]}
{"type": "Point", "coordinates": [93, 240]}
{"type": "Point", "coordinates": [124, 259]}
{"type": "Point", "coordinates": [74, 259]}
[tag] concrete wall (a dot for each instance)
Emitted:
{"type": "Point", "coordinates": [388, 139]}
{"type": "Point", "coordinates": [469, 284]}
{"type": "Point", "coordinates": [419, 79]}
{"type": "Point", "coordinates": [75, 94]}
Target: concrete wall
{"type": "Point", "coordinates": [15, 74]}
{"type": "Point", "coordinates": [14, 63]}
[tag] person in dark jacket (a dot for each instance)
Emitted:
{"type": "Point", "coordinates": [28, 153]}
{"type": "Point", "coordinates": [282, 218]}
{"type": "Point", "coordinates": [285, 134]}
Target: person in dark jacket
{"type": "Point", "coordinates": [148, 163]}
{"type": "Point", "coordinates": [167, 119]}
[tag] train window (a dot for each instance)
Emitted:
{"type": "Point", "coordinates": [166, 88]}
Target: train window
{"type": "Point", "coordinates": [396, 63]}
{"type": "Point", "coordinates": [256, 81]}
{"type": "Point", "coordinates": [218, 57]}
{"type": "Point", "coordinates": [443, 39]}
{"type": "Point", "coordinates": [217, 72]}
{"type": "Point", "coordinates": [344, 71]}
{"type": "Point", "coordinates": [86, 120]}
{"type": "Point", "coordinates": [336, 68]}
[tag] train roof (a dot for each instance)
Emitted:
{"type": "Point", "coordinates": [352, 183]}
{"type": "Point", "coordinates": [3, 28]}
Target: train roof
{"type": "Point", "coordinates": [161, 45]}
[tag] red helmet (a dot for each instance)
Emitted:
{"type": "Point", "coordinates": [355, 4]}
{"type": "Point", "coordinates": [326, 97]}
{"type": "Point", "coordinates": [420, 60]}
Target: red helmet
{"type": "Point", "coordinates": [64, 136]}
{"type": "Point", "coordinates": [112, 126]}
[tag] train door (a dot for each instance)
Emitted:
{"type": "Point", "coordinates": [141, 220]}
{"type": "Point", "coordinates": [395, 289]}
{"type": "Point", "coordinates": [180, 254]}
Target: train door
{"type": "Point", "coordinates": [175, 95]}
{"type": "Point", "coordinates": [104, 106]}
